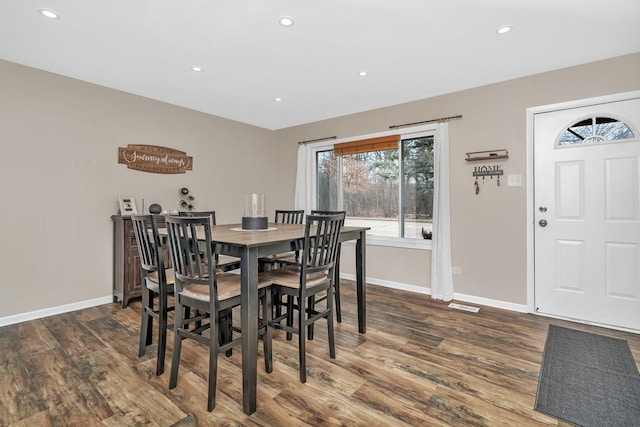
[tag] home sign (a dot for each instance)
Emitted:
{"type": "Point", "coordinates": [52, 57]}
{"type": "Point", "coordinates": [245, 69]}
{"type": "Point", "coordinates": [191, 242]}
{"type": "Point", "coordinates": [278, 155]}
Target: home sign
{"type": "Point", "coordinates": [155, 159]}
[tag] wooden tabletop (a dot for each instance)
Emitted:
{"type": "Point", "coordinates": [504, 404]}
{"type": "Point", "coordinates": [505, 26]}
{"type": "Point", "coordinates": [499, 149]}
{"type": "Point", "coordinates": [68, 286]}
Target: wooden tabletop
{"type": "Point", "coordinates": [233, 234]}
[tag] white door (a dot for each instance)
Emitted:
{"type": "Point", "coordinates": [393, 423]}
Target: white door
{"type": "Point", "coordinates": [587, 213]}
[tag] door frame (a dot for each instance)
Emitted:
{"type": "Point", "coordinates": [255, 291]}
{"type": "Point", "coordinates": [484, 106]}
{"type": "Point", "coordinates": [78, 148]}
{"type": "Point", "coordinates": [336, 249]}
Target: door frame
{"type": "Point", "coordinates": [531, 112]}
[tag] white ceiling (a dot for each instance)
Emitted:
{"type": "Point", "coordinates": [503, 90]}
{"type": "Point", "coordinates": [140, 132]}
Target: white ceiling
{"type": "Point", "coordinates": [412, 49]}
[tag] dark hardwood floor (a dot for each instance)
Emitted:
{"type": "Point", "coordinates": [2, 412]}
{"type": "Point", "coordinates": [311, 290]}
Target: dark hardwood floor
{"type": "Point", "coordinates": [420, 363]}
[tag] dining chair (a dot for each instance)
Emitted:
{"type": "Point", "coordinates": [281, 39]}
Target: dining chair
{"type": "Point", "coordinates": [158, 281]}
{"type": "Point", "coordinates": [289, 216]}
{"type": "Point", "coordinates": [271, 262]}
{"type": "Point", "coordinates": [336, 282]}
{"type": "Point", "coordinates": [313, 276]}
{"type": "Point", "coordinates": [292, 257]}
{"type": "Point", "coordinates": [224, 262]}
{"type": "Point", "coordinates": [207, 294]}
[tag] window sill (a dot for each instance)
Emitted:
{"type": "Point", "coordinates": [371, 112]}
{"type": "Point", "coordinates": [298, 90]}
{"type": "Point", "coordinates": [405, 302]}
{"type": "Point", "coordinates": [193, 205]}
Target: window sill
{"type": "Point", "coordinates": [397, 242]}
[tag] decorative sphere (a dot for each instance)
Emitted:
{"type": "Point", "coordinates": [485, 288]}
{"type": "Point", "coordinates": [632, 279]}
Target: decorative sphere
{"type": "Point", "coordinates": [155, 208]}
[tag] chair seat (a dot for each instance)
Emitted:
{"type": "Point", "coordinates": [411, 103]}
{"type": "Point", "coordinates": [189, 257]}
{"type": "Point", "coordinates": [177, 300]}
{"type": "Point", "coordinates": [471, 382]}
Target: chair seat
{"type": "Point", "coordinates": [290, 277]}
{"type": "Point", "coordinates": [153, 278]}
{"type": "Point", "coordinates": [286, 256]}
{"type": "Point", "coordinates": [224, 260]}
{"type": "Point", "coordinates": [228, 287]}
{"type": "Point", "coordinates": [226, 263]}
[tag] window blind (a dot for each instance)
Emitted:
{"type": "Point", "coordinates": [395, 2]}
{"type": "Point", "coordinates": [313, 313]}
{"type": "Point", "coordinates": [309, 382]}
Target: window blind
{"type": "Point", "coordinates": [364, 145]}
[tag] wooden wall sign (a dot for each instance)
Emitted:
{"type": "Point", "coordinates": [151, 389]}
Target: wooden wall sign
{"type": "Point", "coordinates": [155, 159]}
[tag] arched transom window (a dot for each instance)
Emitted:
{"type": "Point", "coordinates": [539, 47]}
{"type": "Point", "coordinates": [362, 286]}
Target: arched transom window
{"type": "Point", "coordinates": [595, 130]}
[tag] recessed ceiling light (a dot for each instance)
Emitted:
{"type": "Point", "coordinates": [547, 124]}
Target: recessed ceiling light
{"type": "Point", "coordinates": [363, 73]}
{"type": "Point", "coordinates": [504, 29]}
{"type": "Point", "coordinates": [285, 21]}
{"type": "Point", "coordinates": [49, 13]}
{"type": "Point", "coordinates": [196, 69]}
{"type": "Point", "coordinates": [278, 99]}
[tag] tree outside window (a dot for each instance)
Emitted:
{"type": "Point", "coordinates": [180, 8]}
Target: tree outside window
{"type": "Point", "coordinates": [390, 191]}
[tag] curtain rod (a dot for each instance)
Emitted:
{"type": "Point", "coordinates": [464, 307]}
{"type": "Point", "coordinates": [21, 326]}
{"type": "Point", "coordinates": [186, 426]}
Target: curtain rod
{"type": "Point", "coordinates": [316, 140]}
{"type": "Point", "coordinates": [459, 116]}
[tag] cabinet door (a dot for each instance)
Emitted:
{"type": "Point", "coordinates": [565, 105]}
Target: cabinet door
{"type": "Point", "coordinates": [132, 275]}
{"type": "Point", "coordinates": [133, 281]}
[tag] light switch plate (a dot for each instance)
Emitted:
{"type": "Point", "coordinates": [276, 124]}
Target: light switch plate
{"type": "Point", "coordinates": [514, 180]}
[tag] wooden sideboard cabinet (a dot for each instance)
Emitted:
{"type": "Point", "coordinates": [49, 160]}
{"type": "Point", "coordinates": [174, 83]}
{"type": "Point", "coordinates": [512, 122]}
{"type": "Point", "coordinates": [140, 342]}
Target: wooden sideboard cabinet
{"type": "Point", "coordinates": [126, 261]}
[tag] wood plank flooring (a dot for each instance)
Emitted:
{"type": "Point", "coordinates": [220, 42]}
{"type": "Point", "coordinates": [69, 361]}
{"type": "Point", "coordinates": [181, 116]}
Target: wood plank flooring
{"type": "Point", "coordinates": [420, 363]}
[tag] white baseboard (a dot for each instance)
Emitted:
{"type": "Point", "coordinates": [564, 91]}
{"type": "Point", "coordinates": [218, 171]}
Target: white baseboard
{"type": "Point", "coordinates": [390, 284]}
{"type": "Point", "coordinates": [522, 308]}
{"type": "Point", "coordinates": [46, 312]}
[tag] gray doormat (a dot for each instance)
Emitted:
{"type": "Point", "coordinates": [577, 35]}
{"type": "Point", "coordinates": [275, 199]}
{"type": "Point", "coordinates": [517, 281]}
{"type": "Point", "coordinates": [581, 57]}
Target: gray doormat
{"type": "Point", "coordinates": [588, 379]}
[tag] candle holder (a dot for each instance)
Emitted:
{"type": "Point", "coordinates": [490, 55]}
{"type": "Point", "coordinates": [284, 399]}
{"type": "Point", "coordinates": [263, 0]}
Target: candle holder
{"type": "Point", "coordinates": [254, 213]}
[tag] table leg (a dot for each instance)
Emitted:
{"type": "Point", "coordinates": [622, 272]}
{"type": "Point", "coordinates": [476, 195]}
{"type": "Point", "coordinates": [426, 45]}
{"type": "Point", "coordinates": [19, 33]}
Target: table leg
{"type": "Point", "coordinates": [249, 324]}
{"type": "Point", "coordinates": [361, 282]}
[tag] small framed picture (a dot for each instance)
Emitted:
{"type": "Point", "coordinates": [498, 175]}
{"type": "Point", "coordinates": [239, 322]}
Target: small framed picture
{"type": "Point", "coordinates": [128, 205]}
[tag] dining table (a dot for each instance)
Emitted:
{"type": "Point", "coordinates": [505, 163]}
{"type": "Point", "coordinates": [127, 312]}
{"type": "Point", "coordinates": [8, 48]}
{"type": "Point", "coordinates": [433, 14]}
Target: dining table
{"type": "Point", "coordinates": [249, 246]}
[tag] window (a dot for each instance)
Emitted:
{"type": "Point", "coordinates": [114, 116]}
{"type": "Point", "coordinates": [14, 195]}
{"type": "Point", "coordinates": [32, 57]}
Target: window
{"type": "Point", "coordinates": [387, 189]}
{"type": "Point", "coordinates": [595, 130]}
{"type": "Point", "coordinates": [417, 186]}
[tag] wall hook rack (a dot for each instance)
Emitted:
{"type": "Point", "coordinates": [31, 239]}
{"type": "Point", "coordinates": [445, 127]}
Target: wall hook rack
{"type": "Point", "coordinates": [487, 155]}
{"type": "Point", "coordinates": [491, 171]}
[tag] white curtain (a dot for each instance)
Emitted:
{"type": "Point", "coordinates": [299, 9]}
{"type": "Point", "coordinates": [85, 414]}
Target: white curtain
{"type": "Point", "coordinates": [304, 195]}
{"type": "Point", "coordinates": [441, 275]}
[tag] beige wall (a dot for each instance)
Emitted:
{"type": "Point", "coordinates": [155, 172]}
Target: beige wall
{"type": "Point", "coordinates": [60, 179]}
{"type": "Point", "coordinates": [488, 229]}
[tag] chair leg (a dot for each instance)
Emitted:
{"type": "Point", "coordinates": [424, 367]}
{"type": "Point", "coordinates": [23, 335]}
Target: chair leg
{"type": "Point", "coordinates": [332, 345]}
{"type": "Point", "coordinates": [144, 322]}
{"type": "Point", "coordinates": [177, 344]}
{"type": "Point", "coordinates": [162, 335]}
{"type": "Point", "coordinates": [267, 315]}
{"type": "Point", "coordinates": [302, 356]}
{"type": "Point", "coordinates": [229, 328]}
{"type": "Point", "coordinates": [226, 329]}
{"type": "Point", "coordinates": [150, 309]}
{"type": "Point", "coordinates": [213, 363]}
{"type": "Point", "coordinates": [198, 322]}
{"type": "Point", "coordinates": [312, 305]}
{"type": "Point", "coordinates": [289, 316]}
{"type": "Point", "coordinates": [277, 303]}
{"type": "Point", "coordinates": [336, 292]}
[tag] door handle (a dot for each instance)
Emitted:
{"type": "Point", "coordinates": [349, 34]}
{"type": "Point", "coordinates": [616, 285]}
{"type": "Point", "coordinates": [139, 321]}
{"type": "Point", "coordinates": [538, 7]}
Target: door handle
{"type": "Point", "coordinates": [543, 223]}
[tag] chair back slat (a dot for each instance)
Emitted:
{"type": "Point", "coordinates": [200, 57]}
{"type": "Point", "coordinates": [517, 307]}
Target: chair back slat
{"type": "Point", "coordinates": [322, 234]}
{"type": "Point", "coordinates": [342, 214]}
{"type": "Point", "coordinates": [149, 247]}
{"type": "Point", "coordinates": [193, 260]}
{"type": "Point", "coordinates": [289, 216]}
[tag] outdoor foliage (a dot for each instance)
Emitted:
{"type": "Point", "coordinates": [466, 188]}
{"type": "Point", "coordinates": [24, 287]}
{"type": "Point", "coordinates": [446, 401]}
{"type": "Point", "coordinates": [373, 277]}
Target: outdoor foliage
{"type": "Point", "coordinates": [418, 163]}
{"type": "Point", "coordinates": [371, 181]}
